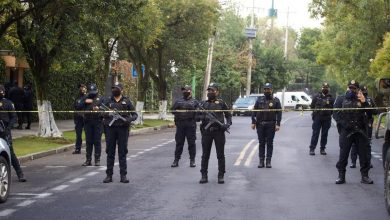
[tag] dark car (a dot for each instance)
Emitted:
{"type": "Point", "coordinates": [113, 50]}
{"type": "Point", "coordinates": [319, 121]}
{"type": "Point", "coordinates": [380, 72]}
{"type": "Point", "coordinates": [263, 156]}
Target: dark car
{"type": "Point", "coordinates": [244, 106]}
{"type": "Point", "coordinates": [5, 171]}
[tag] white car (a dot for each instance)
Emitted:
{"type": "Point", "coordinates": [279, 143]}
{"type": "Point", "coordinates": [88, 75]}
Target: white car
{"type": "Point", "coordinates": [5, 170]}
{"type": "Point", "coordinates": [296, 100]}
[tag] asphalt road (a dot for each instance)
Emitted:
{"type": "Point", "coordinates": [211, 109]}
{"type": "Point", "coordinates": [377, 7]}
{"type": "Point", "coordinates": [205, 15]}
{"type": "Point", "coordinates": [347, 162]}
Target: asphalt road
{"type": "Point", "coordinates": [298, 186]}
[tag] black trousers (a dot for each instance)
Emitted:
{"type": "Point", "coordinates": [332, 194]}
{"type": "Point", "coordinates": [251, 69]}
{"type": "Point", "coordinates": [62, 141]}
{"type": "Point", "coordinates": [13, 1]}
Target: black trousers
{"type": "Point", "coordinates": [116, 135]}
{"type": "Point", "coordinates": [320, 125]}
{"type": "Point", "coordinates": [345, 141]}
{"type": "Point", "coordinates": [79, 125]}
{"type": "Point", "coordinates": [14, 160]}
{"type": "Point", "coordinates": [354, 149]}
{"type": "Point", "coordinates": [28, 117]}
{"type": "Point", "coordinates": [207, 141]}
{"type": "Point", "coordinates": [93, 136]}
{"type": "Point", "coordinates": [185, 129]}
{"type": "Point", "coordinates": [266, 134]}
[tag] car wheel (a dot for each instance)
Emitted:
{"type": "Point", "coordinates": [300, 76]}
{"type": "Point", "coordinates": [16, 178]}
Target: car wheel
{"type": "Point", "coordinates": [387, 182]}
{"type": "Point", "coordinates": [5, 179]}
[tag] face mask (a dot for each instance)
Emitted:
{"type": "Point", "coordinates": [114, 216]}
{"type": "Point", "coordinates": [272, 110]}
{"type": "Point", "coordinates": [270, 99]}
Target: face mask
{"type": "Point", "coordinates": [325, 91]}
{"type": "Point", "coordinates": [365, 94]}
{"type": "Point", "coordinates": [211, 96]}
{"type": "Point", "coordinates": [186, 94]}
{"type": "Point", "coordinates": [91, 96]}
{"type": "Point", "coordinates": [350, 95]}
{"type": "Point", "coordinates": [116, 92]}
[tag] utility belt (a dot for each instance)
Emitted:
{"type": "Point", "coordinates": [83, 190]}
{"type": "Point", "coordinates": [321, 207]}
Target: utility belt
{"type": "Point", "coordinates": [265, 122]}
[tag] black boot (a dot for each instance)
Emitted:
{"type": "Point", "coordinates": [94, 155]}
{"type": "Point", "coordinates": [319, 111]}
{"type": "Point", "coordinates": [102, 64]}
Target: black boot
{"type": "Point", "coordinates": [366, 179]}
{"type": "Point", "coordinates": [322, 152]}
{"type": "Point", "coordinates": [175, 163]}
{"type": "Point", "coordinates": [76, 152]}
{"type": "Point", "coordinates": [87, 163]}
{"type": "Point", "coordinates": [220, 179]}
{"type": "Point", "coordinates": [312, 152]}
{"type": "Point", "coordinates": [97, 162]}
{"type": "Point", "coordinates": [268, 162]}
{"type": "Point", "coordinates": [261, 163]}
{"type": "Point", "coordinates": [21, 177]}
{"type": "Point", "coordinates": [341, 179]}
{"type": "Point", "coordinates": [124, 179]}
{"type": "Point", "coordinates": [192, 163]}
{"type": "Point", "coordinates": [203, 179]}
{"type": "Point", "coordinates": [108, 179]}
{"type": "Point", "coordinates": [28, 127]}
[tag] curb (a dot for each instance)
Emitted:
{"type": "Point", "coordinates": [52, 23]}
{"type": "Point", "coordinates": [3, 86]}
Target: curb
{"type": "Point", "coordinates": [70, 147]}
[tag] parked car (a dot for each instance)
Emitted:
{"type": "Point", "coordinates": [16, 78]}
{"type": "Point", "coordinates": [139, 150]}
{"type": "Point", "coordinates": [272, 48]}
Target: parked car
{"type": "Point", "coordinates": [5, 170]}
{"type": "Point", "coordinates": [244, 106]}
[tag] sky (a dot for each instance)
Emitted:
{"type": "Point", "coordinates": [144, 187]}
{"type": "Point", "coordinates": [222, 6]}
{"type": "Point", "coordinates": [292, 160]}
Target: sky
{"type": "Point", "coordinates": [299, 16]}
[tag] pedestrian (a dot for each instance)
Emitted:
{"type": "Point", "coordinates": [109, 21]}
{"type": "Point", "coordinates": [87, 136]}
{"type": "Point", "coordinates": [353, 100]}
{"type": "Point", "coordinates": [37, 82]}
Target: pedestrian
{"type": "Point", "coordinates": [28, 104]}
{"type": "Point", "coordinates": [16, 96]}
{"type": "Point", "coordinates": [185, 125]}
{"type": "Point", "coordinates": [117, 128]}
{"type": "Point", "coordinates": [369, 121]}
{"type": "Point", "coordinates": [7, 119]}
{"type": "Point", "coordinates": [352, 129]}
{"type": "Point", "coordinates": [213, 128]}
{"type": "Point", "coordinates": [267, 122]}
{"type": "Point", "coordinates": [92, 124]}
{"type": "Point", "coordinates": [322, 119]}
{"type": "Point", "coordinates": [79, 118]}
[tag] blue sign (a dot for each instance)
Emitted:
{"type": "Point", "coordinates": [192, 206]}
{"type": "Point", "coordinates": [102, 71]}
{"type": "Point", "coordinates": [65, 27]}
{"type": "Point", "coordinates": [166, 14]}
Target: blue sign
{"type": "Point", "coordinates": [134, 73]}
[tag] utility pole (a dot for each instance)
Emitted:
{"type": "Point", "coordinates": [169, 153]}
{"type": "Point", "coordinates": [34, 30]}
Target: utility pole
{"type": "Point", "coordinates": [208, 67]}
{"type": "Point", "coordinates": [250, 54]}
{"type": "Point", "coordinates": [285, 52]}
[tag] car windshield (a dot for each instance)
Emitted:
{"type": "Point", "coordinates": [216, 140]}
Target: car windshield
{"type": "Point", "coordinates": [249, 101]}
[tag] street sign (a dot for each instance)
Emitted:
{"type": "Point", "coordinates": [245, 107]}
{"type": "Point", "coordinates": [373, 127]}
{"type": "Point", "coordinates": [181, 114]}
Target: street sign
{"type": "Point", "coordinates": [134, 73]}
{"type": "Point", "coordinates": [250, 33]}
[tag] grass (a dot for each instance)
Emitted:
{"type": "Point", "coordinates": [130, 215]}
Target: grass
{"type": "Point", "coordinates": [32, 144]}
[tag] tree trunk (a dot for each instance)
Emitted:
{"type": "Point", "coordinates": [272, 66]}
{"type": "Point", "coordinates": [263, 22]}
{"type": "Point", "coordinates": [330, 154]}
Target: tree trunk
{"type": "Point", "coordinates": [162, 86]}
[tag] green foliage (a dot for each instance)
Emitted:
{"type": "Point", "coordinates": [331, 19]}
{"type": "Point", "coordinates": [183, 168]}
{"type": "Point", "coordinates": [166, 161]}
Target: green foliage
{"type": "Point", "coordinates": [380, 67]}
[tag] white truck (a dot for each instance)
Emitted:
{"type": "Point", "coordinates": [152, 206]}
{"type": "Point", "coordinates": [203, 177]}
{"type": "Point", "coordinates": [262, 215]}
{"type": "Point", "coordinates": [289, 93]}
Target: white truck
{"type": "Point", "coordinates": [296, 100]}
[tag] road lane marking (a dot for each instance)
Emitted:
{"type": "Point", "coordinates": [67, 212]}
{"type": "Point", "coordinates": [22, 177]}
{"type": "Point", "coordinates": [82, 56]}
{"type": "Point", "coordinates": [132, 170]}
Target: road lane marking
{"type": "Point", "coordinates": [25, 203]}
{"type": "Point", "coordinates": [148, 150]}
{"type": "Point", "coordinates": [60, 187]}
{"type": "Point", "coordinates": [141, 152]}
{"type": "Point", "coordinates": [243, 152]}
{"type": "Point", "coordinates": [55, 166]}
{"type": "Point", "coordinates": [43, 195]}
{"type": "Point", "coordinates": [250, 157]}
{"type": "Point", "coordinates": [134, 156]}
{"type": "Point", "coordinates": [160, 145]}
{"type": "Point", "coordinates": [154, 147]}
{"type": "Point", "coordinates": [102, 168]}
{"type": "Point", "coordinates": [7, 212]}
{"type": "Point", "coordinates": [91, 173]}
{"type": "Point", "coordinates": [77, 180]}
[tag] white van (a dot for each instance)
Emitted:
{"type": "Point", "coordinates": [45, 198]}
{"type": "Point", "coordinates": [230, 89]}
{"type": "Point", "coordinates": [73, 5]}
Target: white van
{"type": "Point", "coordinates": [294, 100]}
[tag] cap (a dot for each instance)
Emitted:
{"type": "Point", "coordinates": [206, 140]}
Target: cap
{"type": "Point", "coordinates": [363, 88]}
{"type": "Point", "coordinates": [92, 88]}
{"type": "Point", "coordinates": [186, 87]}
{"type": "Point", "coordinates": [213, 86]}
{"type": "Point", "coordinates": [325, 85]}
{"type": "Point", "coordinates": [268, 86]}
{"type": "Point", "coordinates": [353, 83]}
{"type": "Point", "coordinates": [118, 85]}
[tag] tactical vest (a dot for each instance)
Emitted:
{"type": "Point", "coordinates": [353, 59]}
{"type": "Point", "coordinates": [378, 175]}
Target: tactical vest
{"type": "Point", "coordinates": [323, 102]}
{"type": "Point", "coordinates": [353, 119]}
{"type": "Point", "coordinates": [264, 103]}
{"type": "Point", "coordinates": [89, 107]}
{"type": "Point", "coordinates": [122, 105]}
{"type": "Point", "coordinates": [184, 104]}
{"type": "Point", "coordinates": [217, 105]}
{"type": "Point", "coordinates": [5, 105]}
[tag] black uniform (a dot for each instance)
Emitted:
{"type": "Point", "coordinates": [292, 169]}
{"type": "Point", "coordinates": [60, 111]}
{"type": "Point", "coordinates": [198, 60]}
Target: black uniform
{"type": "Point", "coordinates": [369, 121]}
{"type": "Point", "coordinates": [93, 128]}
{"type": "Point", "coordinates": [16, 96]}
{"type": "Point", "coordinates": [214, 133]}
{"type": "Point", "coordinates": [118, 132]}
{"type": "Point", "coordinates": [79, 122]}
{"type": "Point", "coordinates": [352, 129]}
{"type": "Point", "coordinates": [9, 118]}
{"type": "Point", "coordinates": [185, 126]}
{"type": "Point", "coordinates": [265, 122]}
{"type": "Point", "coordinates": [322, 120]}
{"type": "Point", "coordinates": [28, 105]}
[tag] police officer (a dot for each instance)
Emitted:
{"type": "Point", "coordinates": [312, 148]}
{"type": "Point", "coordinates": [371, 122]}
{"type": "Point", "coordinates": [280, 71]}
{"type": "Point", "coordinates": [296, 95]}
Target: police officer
{"type": "Point", "coordinates": [369, 121]}
{"type": "Point", "coordinates": [322, 119]}
{"type": "Point", "coordinates": [79, 118]}
{"type": "Point", "coordinates": [16, 96]}
{"type": "Point", "coordinates": [185, 125]}
{"type": "Point", "coordinates": [92, 124]}
{"type": "Point", "coordinates": [266, 122]}
{"type": "Point", "coordinates": [213, 129]}
{"type": "Point", "coordinates": [28, 104]}
{"type": "Point", "coordinates": [118, 132]}
{"type": "Point", "coordinates": [8, 118]}
{"type": "Point", "coordinates": [352, 129]}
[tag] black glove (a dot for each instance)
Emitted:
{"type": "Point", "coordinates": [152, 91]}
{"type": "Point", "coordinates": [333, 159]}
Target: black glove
{"type": "Point", "coordinates": [225, 127]}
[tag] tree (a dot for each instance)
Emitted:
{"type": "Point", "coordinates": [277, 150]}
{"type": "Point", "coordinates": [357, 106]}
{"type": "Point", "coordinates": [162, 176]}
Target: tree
{"type": "Point", "coordinates": [380, 67]}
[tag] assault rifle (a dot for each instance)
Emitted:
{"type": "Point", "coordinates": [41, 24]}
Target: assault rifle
{"type": "Point", "coordinates": [213, 119]}
{"type": "Point", "coordinates": [113, 113]}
